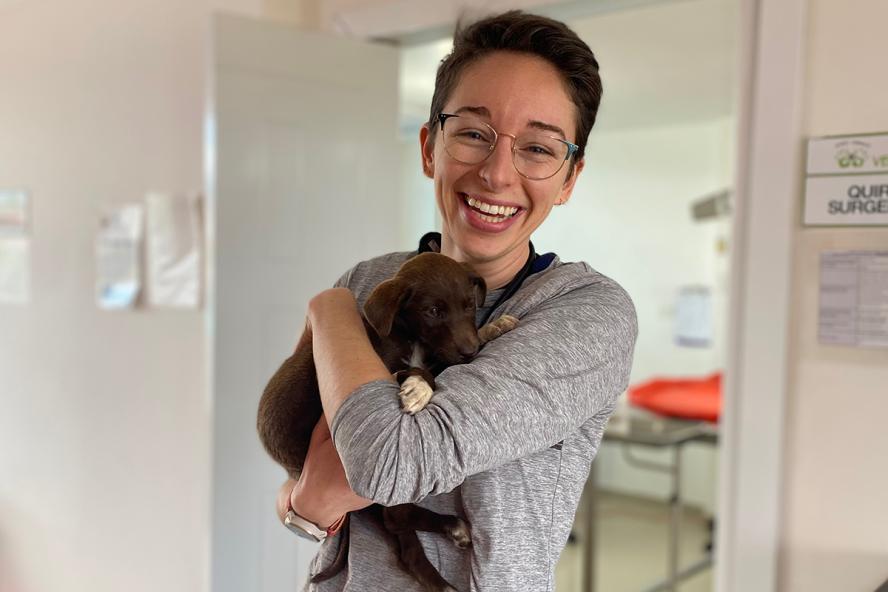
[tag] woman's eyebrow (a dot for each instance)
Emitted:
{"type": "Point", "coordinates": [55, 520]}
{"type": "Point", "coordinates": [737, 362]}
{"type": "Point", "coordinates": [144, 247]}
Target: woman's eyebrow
{"type": "Point", "coordinates": [547, 127]}
{"type": "Point", "coordinates": [485, 112]}
{"type": "Point", "coordinates": [482, 111]}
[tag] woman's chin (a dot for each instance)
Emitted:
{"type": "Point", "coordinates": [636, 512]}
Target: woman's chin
{"type": "Point", "coordinates": [482, 249]}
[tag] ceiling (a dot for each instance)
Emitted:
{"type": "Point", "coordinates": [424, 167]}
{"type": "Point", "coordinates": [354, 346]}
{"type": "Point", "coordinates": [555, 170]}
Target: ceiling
{"type": "Point", "coordinates": [661, 64]}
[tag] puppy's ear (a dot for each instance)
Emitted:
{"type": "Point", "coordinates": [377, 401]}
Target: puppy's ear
{"type": "Point", "coordinates": [384, 303]}
{"type": "Point", "coordinates": [479, 284]}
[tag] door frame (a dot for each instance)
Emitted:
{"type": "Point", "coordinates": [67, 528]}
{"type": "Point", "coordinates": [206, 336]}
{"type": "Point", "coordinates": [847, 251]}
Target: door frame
{"type": "Point", "coordinates": [757, 377]}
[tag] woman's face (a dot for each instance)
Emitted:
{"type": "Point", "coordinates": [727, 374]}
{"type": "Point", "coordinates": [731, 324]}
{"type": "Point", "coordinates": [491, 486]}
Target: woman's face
{"type": "Point", "coordinates": [514, 93]}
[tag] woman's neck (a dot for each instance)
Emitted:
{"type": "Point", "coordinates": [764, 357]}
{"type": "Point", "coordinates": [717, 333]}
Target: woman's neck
{"type": "Point", "coordinates": [496, 272]}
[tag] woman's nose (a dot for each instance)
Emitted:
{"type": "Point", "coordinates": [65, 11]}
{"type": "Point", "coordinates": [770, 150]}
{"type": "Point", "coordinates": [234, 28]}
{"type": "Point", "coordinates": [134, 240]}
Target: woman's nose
{"type": "Point", "coordinates": [498, 170]}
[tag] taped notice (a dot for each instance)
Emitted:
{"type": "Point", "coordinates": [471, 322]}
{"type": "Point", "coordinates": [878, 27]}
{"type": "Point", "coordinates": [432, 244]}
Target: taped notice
{"type": "Point", "coordinates": [173, 239]}
{"type": "Point", "coordinates": [693, 319]}
{"type": "Point", "coordinates": [13, 212]}
{"type": "Point", "coordinates": [15, 264]}
{"type": "Point", "coordinates": [118, 257]}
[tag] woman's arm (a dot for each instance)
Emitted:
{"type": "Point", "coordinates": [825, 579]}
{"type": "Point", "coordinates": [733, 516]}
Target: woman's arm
{"type": "Point", "coordinates": [566, 362]}
{"type": "Point", "coordinates": [344, 357]}
{"type": "Point", "coordinates": [344, 360]}
{"type": "Point", "coordinates": [322, 493]}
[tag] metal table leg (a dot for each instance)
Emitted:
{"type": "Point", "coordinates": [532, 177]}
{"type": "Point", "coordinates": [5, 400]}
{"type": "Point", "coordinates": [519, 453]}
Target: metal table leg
{"type": "Point", "coordinates": [590, 495]}
{"type": "Point", "coordinates": [675, 516]}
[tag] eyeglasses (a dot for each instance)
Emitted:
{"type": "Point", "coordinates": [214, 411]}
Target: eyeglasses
{"type": "Point", "coordinates": [535, 154]}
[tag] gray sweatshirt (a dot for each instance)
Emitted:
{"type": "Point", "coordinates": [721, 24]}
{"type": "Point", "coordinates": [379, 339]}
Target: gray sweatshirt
{"type": "Point", "coordinates": [506, 441]}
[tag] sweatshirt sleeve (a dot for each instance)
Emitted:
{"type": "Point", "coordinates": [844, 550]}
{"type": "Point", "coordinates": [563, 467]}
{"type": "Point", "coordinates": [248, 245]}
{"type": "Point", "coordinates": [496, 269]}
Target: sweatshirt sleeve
{"type": "Point", "coordinates": [568, 359]}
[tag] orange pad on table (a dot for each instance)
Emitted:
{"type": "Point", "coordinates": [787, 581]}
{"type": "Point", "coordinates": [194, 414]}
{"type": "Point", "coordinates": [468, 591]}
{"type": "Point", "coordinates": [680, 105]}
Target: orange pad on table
{"type": "Point", "coordinates": [686, 398]}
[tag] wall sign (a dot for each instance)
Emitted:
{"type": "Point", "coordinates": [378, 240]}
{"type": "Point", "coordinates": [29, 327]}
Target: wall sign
{"type": "Point", "coordinates": [847, 182]}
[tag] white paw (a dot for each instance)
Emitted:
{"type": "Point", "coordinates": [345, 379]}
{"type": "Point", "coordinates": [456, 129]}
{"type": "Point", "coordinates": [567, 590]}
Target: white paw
{"type": "Point", "coordinates": [415, 394]}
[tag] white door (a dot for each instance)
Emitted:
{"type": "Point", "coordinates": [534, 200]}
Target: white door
{"type": "Point", "coordinates": [303, 179]}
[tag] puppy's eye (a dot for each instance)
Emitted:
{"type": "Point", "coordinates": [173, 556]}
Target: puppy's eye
{"type": "Point", "coordinates": [434, 312]}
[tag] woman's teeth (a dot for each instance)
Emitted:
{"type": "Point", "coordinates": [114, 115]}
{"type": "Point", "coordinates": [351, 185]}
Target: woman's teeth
{"type": "Point", "coordinates": [493, 213]}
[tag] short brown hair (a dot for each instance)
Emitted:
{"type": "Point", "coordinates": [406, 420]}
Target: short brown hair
{"type": "Point", "coordinates": [537, 35]}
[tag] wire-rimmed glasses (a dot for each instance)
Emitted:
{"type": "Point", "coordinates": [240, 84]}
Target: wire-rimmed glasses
{"type": "Point", "coordinates": [536, 154]}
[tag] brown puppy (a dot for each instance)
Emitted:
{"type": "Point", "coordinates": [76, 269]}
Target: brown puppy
{"type": "Point", "coordinates": [419, 322]}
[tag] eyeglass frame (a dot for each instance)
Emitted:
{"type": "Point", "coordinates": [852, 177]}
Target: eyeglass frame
{"type": "Point", "coordinates": [571, 147]}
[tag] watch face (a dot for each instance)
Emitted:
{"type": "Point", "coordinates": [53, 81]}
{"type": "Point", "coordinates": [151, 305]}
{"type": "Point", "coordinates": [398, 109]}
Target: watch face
{"type": "Point", "coordinates": [300, 526]}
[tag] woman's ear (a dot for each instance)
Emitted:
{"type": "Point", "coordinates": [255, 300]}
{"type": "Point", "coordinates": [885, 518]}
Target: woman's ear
{"type": "Point", "coordinates": [427, 149]}
{"type": "Point", "coordinates": [567, 188]}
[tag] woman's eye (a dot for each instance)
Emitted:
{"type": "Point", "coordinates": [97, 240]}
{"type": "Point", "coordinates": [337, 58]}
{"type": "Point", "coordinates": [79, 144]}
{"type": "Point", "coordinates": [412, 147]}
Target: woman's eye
{"type": "Point", "coordinates": [539, 150]}
{"type": "Point", "coordinates": [473, 135]}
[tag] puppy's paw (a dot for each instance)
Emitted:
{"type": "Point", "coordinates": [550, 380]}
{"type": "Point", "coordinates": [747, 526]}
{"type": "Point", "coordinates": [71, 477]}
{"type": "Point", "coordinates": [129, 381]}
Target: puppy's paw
{"type": "Point", "coordinates": [494, 329]}
{"type": "Point", "coordinates": [415, 394]}
{"type": "Point", "coordinates": [460, 533]}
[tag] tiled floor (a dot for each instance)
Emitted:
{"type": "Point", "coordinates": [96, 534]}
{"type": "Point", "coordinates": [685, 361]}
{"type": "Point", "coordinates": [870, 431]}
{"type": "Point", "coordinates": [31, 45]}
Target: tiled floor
{"type": "Point", "coordinates": [632, 549]}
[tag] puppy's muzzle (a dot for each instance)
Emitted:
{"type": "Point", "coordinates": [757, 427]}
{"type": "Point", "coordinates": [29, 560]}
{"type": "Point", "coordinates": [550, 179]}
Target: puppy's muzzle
{"type": "Point", "coordinates": [468, 350]}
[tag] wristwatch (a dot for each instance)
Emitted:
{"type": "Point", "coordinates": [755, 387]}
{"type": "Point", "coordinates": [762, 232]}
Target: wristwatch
{"type": "Point", "coordinates": [304, 528]}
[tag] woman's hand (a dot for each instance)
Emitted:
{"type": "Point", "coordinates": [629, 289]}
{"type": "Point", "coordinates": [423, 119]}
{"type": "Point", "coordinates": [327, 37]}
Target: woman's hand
{"type": "Point", "coordinates": [343, 355]}
{"type": "Point", "coordinates": [322, 493]}
{"type": "Point", "coordinates": [331, 302]}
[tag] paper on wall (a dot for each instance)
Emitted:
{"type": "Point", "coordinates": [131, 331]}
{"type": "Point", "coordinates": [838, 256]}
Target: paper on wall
{"type": "Point", "coordinates": [15, 247]}
{"type": "Point", "coordinates": [173, 238]}
{"type": "Point", "coordinates": [854, 298]}
{"type": "Point", "coordinates": [13, 212]}
{"type": "Point", "coordinates": [15, 257]}
{"type": "Point", "coordinates": [118, 253]}
{"type": "Point", "coordinates": [693, 319]}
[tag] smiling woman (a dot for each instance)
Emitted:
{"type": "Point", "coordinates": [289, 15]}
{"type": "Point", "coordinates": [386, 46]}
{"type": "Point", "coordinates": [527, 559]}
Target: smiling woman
{"type": "Point", "coordinates": [506, 442]}
{"type": "Point", "coordinates": [524, 97]}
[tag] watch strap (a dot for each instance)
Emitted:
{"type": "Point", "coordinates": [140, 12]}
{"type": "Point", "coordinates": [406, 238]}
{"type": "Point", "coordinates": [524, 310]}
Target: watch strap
{"type": "Point", "coordinates": [302, 527]}
{"type": "Point", "coordinates": [336, 526]}
{"type": "Point", "coordinates": [309, 529]}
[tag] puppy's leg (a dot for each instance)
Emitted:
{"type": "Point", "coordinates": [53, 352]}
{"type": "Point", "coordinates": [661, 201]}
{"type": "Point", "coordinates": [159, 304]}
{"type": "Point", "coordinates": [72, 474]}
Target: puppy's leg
{"type": "Point", "coordinates": [417, 387]}
{"type": "Point", "coordinates": [406, 517]}
{"type": "Point", "coordinates": [415, 562]}
{"type": "Point", "coordinates": [494, 329]}
{"type": "Point", "coordinates": [289, 409]}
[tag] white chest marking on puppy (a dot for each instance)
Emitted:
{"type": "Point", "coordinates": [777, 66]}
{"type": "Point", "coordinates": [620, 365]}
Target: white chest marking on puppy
{"type": "Point", "coordinates": [417, 357]}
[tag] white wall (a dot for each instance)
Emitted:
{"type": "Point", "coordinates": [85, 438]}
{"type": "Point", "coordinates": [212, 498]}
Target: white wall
{"type": "Point", "coordinates": [637, 228]}
{"type": "Point", "coordinates": [835, 526]}
{"type": "Point", "coordinates": [418, 213]}
{"type": "Point", "coordinates": [104, 417]}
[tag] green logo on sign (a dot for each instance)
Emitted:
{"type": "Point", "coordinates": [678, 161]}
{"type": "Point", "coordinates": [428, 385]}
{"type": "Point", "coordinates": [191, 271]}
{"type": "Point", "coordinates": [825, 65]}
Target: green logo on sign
{"type": "Point", "coordinates": [852, 154]}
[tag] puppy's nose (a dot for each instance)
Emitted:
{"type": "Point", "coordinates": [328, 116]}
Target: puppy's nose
{"type": "Point", "coordinates": [468, 350]}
